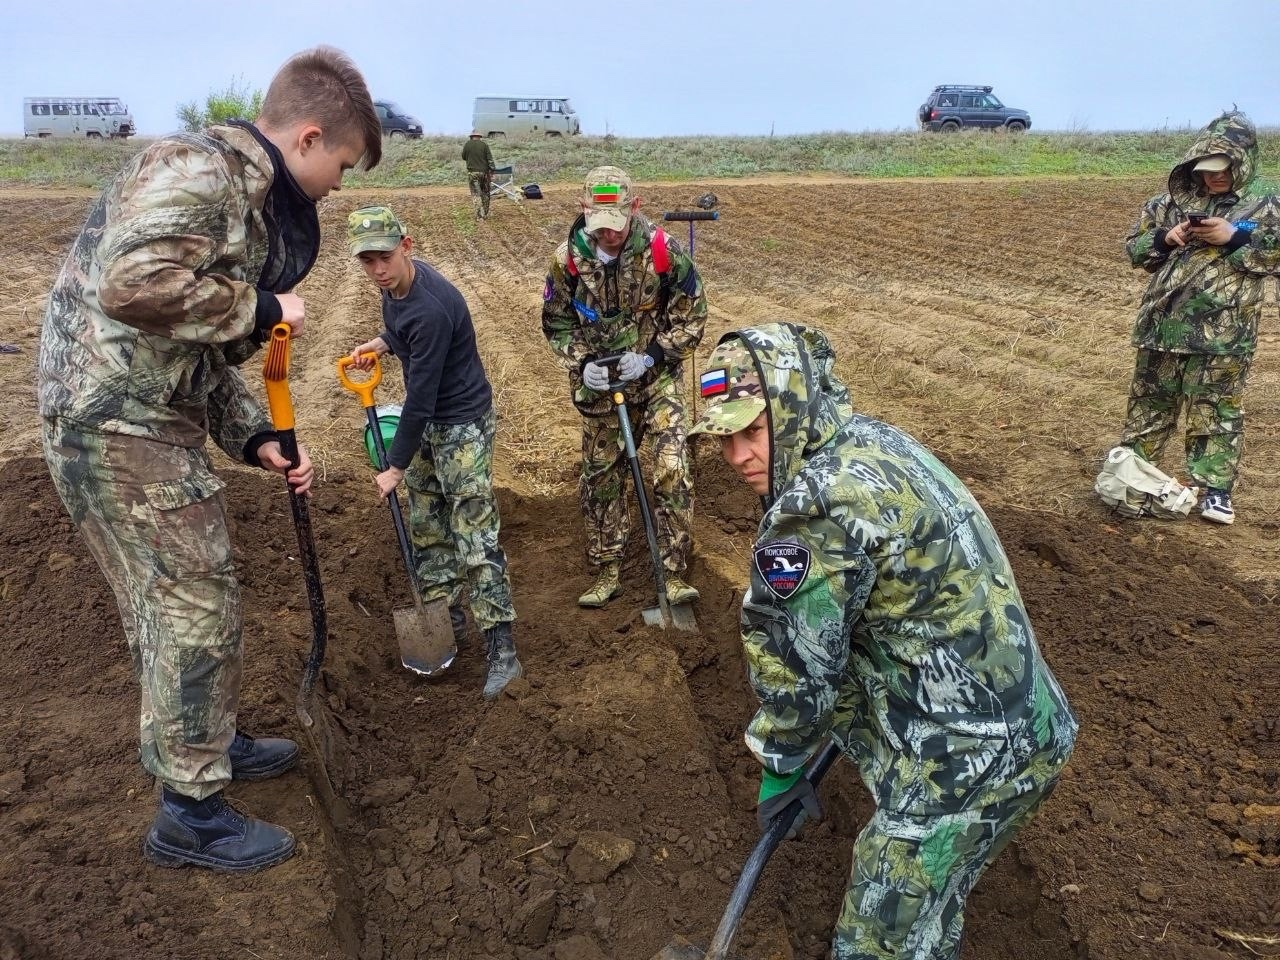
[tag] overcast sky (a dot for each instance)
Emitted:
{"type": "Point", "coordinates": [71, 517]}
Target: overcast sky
{"type": "Point", "coordinates": [674, 66]}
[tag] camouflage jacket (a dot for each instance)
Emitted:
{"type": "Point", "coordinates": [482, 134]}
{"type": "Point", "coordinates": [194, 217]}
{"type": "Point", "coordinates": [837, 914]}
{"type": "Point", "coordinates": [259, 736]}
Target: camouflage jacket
{"type": "Point", "coordinates": [156, 303]}
{"type": "Point", "coordinates": [882, 610]}
{"type": "Point", "coordinates": [1202, 298]}
{"type": "Point", "coordinates": [617, 307]}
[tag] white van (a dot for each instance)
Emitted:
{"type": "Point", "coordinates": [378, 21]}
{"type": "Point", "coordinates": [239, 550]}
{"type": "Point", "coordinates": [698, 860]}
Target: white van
{"type": "Point", "coordinates": [94, 117]}
{"type": "Point", "coordinates": [512, 116]}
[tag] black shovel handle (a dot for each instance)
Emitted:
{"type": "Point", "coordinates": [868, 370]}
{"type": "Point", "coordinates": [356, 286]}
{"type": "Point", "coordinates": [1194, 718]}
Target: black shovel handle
{"type": "Point", "coordinates": [691, 215]}
{"type": "Point", "coordinates": [310, 569]}
{"type": "Point", "coordinates": [393, 501]}
{"type": "Point", "coordinates": [754, 867]}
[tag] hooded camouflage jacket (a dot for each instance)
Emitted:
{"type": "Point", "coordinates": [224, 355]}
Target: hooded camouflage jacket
{"type": "Point", "coordinates": [617, 307]}
{"type": "Point", "coordinates": [882, 609]}
{"type": "Point", "coordinates": [156, 304]}
{"type": "Point", "coordinates": [1204, 298]}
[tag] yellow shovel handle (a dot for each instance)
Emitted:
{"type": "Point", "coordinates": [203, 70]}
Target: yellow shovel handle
{"type": "Point", "coordinates": [363, 389]}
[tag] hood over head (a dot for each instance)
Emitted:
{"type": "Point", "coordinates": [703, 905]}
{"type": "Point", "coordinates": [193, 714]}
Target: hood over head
{"type": "Point", "coordinates": [786, 370]}
{"type": "Point", "coordinates": [1232, 135]}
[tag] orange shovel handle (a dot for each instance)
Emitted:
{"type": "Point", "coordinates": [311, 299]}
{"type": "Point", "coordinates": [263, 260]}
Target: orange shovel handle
{"type": "Point", "coordinates": [363, 389]}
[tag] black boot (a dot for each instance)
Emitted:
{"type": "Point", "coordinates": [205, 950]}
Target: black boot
{"type": "Point", "coordinates": [458, 620]}
{"type": "Point", "coordinates": [503, 663]}
{"type": "Point", "coordinates": [261, 759]}
{"type": "Point", "coordinates": [211, 833]}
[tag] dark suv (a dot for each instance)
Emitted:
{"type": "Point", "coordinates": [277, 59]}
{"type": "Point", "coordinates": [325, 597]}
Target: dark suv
{"type": "Point", "coordinates": [395, 122]}
{"type": "Point", "coordinates": [955, 105]}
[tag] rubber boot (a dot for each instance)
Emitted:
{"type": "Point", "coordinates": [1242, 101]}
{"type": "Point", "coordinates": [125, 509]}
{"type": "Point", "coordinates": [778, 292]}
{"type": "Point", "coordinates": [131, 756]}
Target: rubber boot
{"type": "Point", "coordinates": [261, 759]}
{"type": "Point", "coordinates": [678, 591]}
{"type": "Point", "coordinates": [504, 666]}
{"type": "Point", "coordinates": [606, 587]}
{"type": "Point", "coordinates": [213, 834]}
{"type": "Point", "coordinates": [458, 620]}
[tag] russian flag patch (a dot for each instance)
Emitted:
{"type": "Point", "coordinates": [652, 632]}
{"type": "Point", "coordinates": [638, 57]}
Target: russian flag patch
{"type": "Point", "coordinates": [715, 382]}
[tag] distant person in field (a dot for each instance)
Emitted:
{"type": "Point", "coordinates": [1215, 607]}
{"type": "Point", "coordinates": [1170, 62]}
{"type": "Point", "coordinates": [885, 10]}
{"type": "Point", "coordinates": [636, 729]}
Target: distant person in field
{"type": "Point", "coordinates": [620, 286]}
{"type": "Point", "coordinates": [480, 169]}
{"type": "Point", "coordinates": [443, 447]}
{"type": "Point", "coordinates": [1209, 242]}
{"type": "Point", "coordinates": [187, 261]}
{"type": "Point", "coordinates": [881, 614]}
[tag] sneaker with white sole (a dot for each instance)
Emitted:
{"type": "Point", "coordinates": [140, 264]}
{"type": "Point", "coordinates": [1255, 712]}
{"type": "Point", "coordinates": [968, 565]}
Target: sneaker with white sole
{"type": "Point", "coordinates": [1217, 507]}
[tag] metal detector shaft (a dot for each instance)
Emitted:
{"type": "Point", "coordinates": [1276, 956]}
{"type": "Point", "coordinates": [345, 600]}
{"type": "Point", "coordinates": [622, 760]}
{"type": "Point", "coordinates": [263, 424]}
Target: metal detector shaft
{"type": "Point", "coordinates": [637, 478]}
{"type": "Point", "coordinates": [691, 215]}
{"type": "Point", "coordinates": [764, 848]}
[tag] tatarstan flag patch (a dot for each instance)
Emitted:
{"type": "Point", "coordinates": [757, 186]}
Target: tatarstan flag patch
{"type": "Point", "coordinates": [715, 382]}
{"type": "Point", "coordinates": [605, 193]}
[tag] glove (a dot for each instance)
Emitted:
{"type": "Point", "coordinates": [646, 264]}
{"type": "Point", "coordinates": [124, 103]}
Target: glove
{"type": "Point", "coordinates": [596, 377]}
{"type": "Point", "coordinates": [633, 366]}
{"type": "Point", "coordinates": [778, 791]}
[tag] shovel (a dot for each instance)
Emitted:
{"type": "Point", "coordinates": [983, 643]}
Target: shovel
{"type": "Point", "coordinates": [665, 614]}
{"type": "Point", "coordinates": [681, 949]}
{"type": "Point", "coordinates": [423, 631]}
{"type": "Point", "coordinates": [275, 373]}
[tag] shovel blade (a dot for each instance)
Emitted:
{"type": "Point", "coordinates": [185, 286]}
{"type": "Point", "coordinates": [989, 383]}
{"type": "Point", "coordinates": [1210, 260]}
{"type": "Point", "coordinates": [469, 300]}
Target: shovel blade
{"type": "Point", "coordinates": [681, 617]}
{"type": "Point", "coordinates": [679, 949]}
{"type": "Point", "coordinates": [425, 636]}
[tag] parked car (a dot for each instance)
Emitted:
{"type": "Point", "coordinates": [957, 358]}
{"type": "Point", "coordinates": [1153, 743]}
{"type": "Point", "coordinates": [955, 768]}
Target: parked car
{"type": "Point", "coordinates": [510, 116]}
{"type": "Point", "coordinates": [954, 105]}
{"type": "Point", "coordinates": [92, 117]}
{"type": "Point", "coordinates": [397, 124]}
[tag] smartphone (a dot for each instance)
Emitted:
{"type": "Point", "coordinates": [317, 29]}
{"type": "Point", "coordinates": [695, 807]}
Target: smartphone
{"type": "Point", "coordinates": [1196, 219]}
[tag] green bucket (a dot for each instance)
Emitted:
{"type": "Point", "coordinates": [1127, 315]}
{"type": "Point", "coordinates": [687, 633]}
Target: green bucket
{"type": "Point", "coordinates": [388, 420]}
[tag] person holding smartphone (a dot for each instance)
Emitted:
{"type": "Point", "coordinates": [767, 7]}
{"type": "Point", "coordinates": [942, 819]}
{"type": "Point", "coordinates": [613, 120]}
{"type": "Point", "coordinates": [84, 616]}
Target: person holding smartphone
{"type": "Point", "coordinates": [1208, 243]}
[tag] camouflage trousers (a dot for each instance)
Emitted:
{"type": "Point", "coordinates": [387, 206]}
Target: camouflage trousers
{"type": "Point", "coordinates": [606, 475]}
{"type": "Point", "coordinates": [912, 876]}
{"type": "Point", "coordinates": [153, 517]}
{"type": "Point", "coordinates": [1211, 387]}
{"type": "Point", "coordinates": [453, 519]}
{"type": "Point", "coordinates": [478, 183]}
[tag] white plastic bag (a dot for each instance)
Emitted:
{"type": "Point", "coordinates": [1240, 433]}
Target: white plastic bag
{"type": "Point", "coordinates": [1134, 488]}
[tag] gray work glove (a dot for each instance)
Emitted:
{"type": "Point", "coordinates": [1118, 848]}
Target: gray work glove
{"type": "Point", "coordinates": [596, 377]}
{"type": "Point", "coordinates": [633, 366]}
{"type": "Point", "coordinates": [778, 791]}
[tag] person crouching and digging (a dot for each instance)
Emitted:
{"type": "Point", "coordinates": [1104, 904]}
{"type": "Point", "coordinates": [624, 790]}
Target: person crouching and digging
{"type": "Point", "coordinates": [443, 446]}
{"type": "Point", "coordinates": [882, 614]}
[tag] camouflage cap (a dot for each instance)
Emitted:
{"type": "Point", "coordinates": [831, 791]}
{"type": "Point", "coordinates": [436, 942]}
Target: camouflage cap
{"type": "Point", "coordinates": [731, 387]}
{"type": "Point", "coordinates": [373, 229]}
{"type": "Point", "coordinates": [607, 195]}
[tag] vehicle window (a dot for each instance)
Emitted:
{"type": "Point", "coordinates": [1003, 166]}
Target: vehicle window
{"type": "Point", "coordinates": [947, 100]}
{"type": "Point", "coordinates": [967, 102]}
{"type": "Point", "coordinates": [40, 109]}
{"type": "Point", "coordinates": [382, 111]}
{"type": "Point", "coordinates": [989, 103]}
{"type": "Point", "coordinates": [59, 109]}
{"type": "Point", "coordinates": [555, 106]}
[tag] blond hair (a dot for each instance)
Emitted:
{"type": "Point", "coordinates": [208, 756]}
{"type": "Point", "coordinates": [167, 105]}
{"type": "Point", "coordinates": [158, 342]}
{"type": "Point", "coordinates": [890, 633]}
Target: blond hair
{"type": "Point", "coordinates": [323, 86]}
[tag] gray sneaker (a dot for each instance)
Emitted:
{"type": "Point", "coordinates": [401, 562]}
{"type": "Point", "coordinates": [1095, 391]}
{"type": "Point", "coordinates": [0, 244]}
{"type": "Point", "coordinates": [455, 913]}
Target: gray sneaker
{"type": "Point", "coordinates": [504, 665]}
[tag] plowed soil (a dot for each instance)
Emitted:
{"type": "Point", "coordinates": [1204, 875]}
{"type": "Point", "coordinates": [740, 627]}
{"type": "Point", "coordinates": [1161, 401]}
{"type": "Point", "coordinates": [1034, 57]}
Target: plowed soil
{"type": "Point", "coordinates": [604, 803]}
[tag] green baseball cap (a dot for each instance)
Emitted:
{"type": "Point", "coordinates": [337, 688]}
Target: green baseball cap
{"type": "Point", "coordinates": [730, 386]}
{"type": "Point", "coordinates": [373, 229]}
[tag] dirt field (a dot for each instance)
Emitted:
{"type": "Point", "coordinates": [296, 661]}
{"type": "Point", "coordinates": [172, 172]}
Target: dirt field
{"type": "Point", "coordinates": [604, 804]}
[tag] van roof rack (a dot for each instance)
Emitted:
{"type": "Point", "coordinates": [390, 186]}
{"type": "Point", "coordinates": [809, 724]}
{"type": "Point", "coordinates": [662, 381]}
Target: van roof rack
{"type": "Point", "coordinates": [962, 87]}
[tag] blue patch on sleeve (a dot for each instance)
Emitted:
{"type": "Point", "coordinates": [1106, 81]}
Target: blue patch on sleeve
{"type": "Point", "coordinates": [689, 285]}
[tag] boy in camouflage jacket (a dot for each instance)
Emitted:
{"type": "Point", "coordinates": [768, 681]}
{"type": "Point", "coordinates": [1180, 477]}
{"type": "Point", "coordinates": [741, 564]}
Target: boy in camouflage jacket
{"type": "Point", "coordinates": [882, 614]}
{"type": "Point", "coordinates": [1197, 327]}
{"type": "Point", "coordinates": [186, 262]}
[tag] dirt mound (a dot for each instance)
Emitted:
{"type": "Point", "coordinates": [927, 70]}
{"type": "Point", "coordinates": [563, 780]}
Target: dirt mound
{"type": "Point", "coordinates": [603, 803]}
